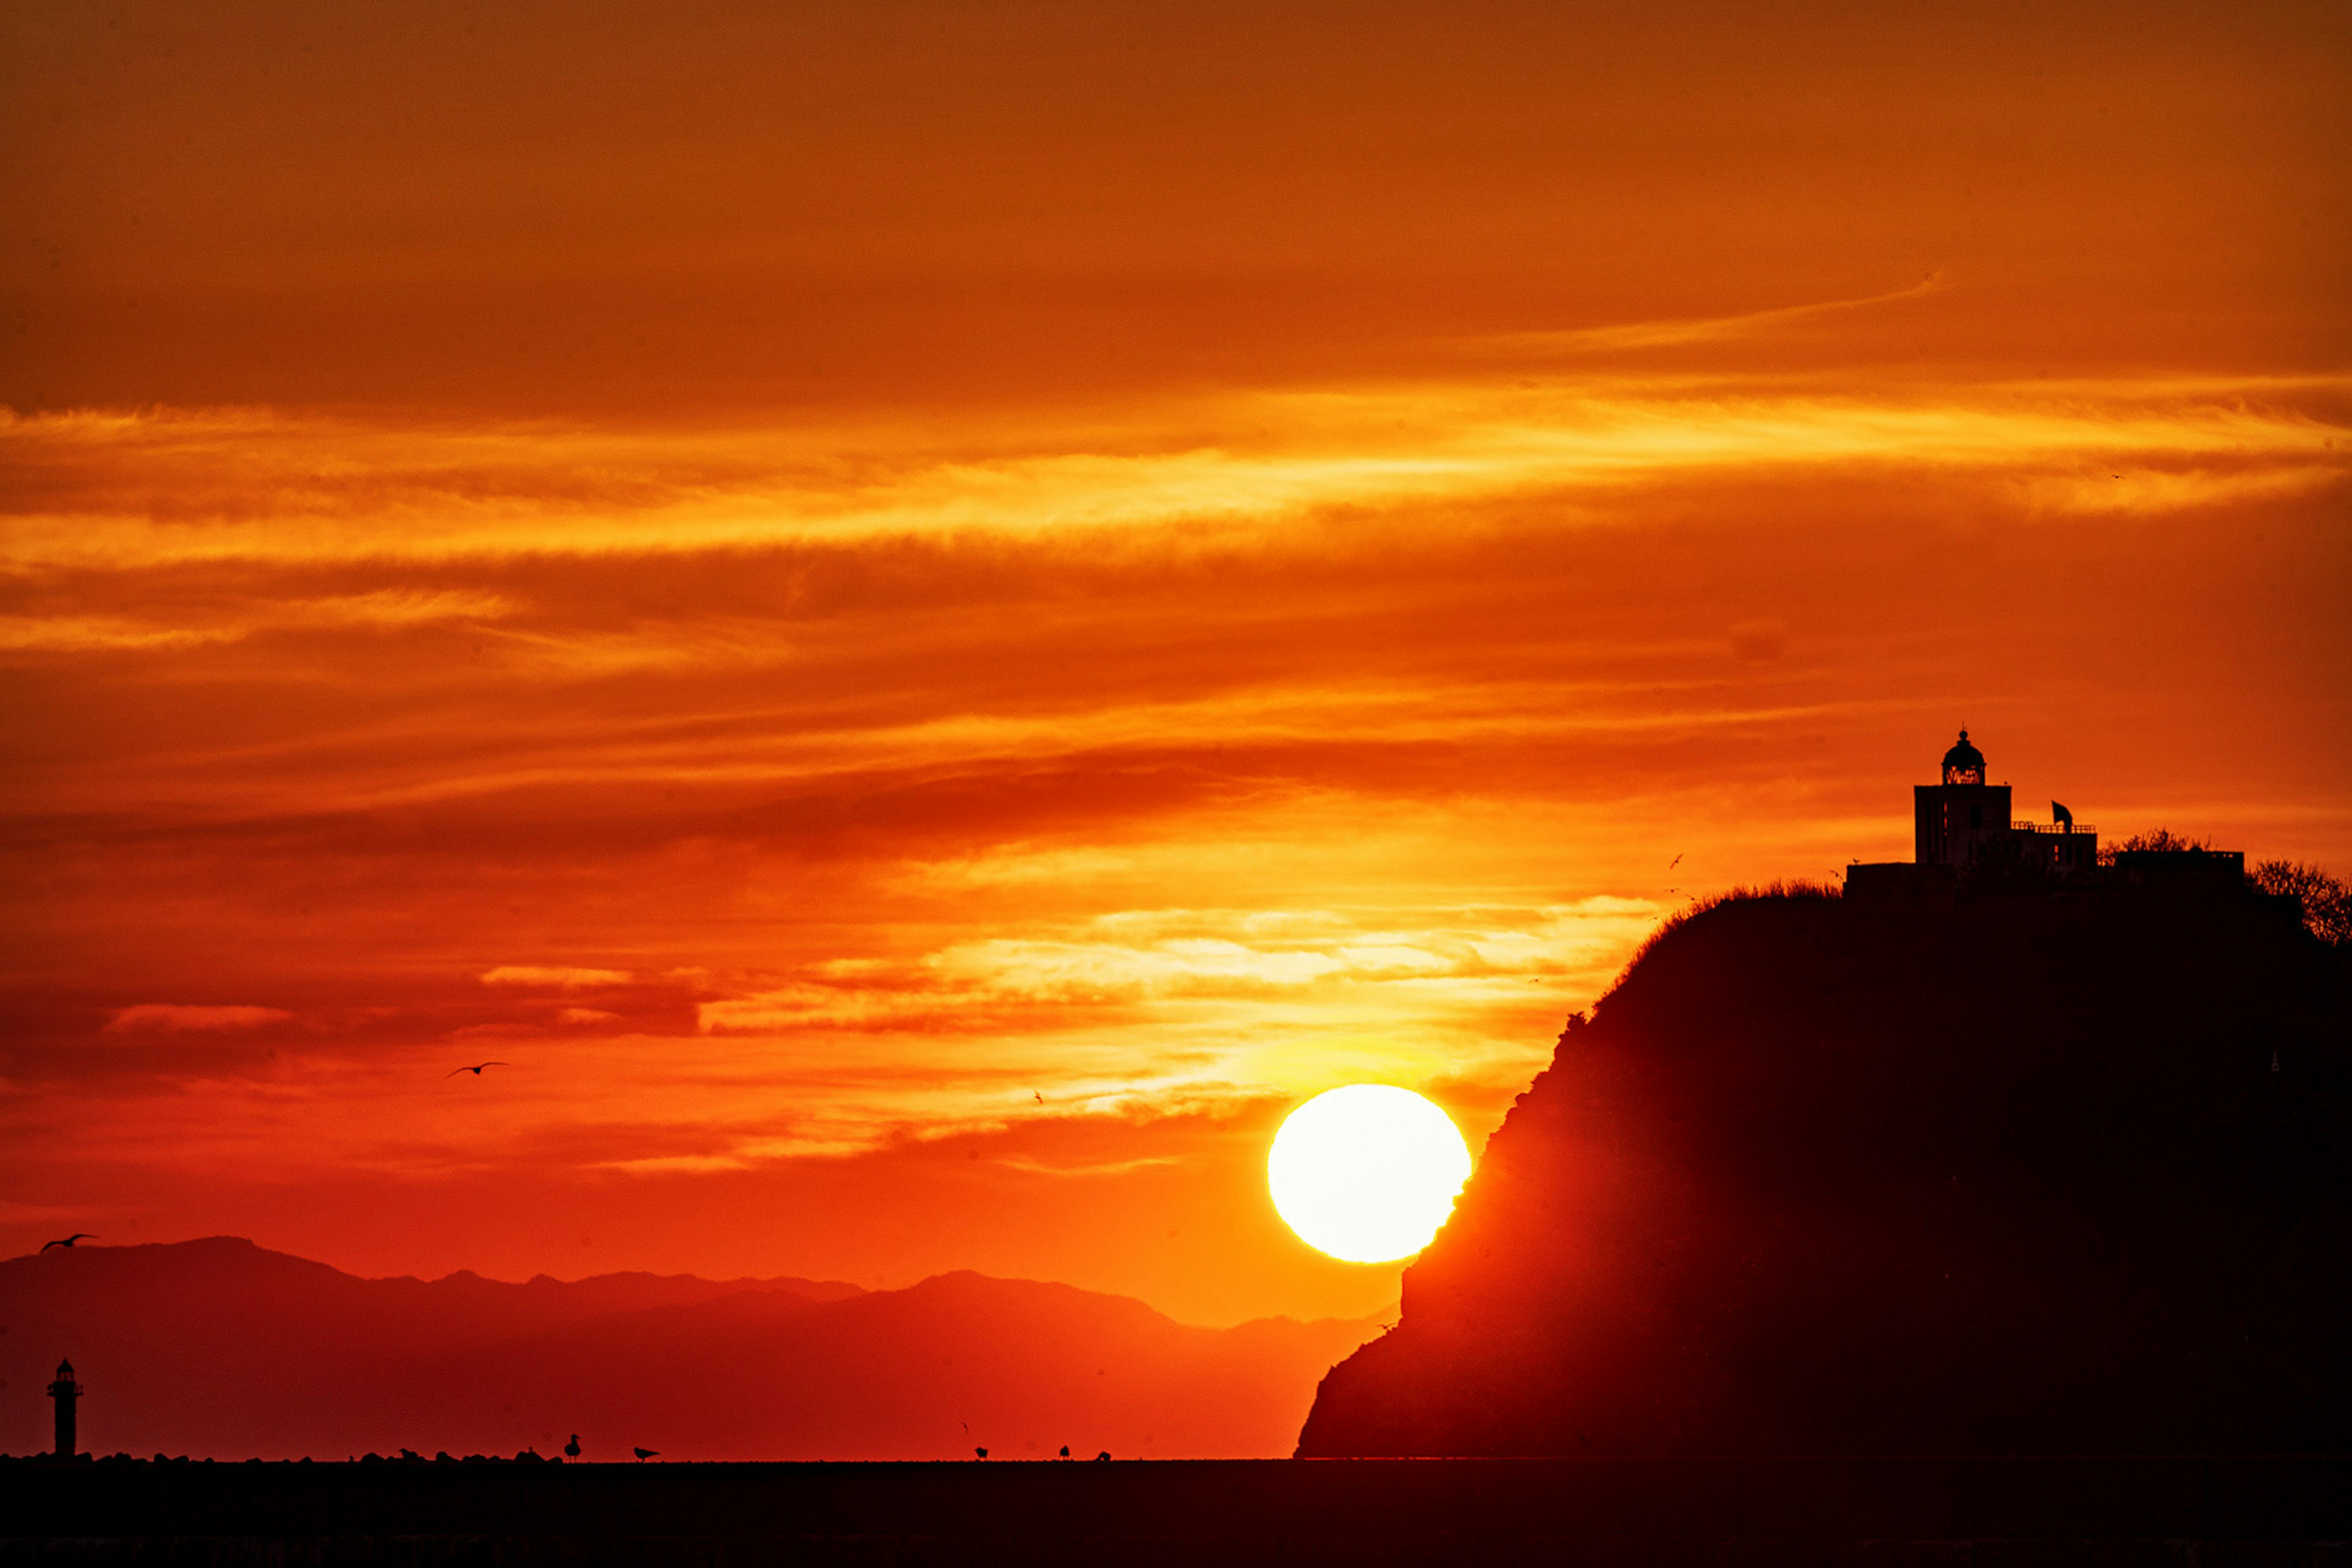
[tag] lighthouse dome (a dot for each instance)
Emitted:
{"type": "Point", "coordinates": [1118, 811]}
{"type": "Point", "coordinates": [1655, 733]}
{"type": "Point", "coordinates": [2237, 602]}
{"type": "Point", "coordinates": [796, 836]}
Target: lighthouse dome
{"type": "Point", "coordinates": [1964, 764]}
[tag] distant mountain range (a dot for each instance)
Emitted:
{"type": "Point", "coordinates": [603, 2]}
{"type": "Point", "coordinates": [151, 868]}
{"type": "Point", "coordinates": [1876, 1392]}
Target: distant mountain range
{"type": "Point", "coordinates": [222, 1348]}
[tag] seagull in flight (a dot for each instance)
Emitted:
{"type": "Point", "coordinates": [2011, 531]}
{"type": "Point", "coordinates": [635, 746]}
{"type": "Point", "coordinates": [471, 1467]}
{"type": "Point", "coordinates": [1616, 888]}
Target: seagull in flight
{"type": "Point", "coordinates": [1038, 1096]}
{"type": "Point", "coordinates": [69, 1240]}
{"type": "Point", "coordinates": [476, 1071]}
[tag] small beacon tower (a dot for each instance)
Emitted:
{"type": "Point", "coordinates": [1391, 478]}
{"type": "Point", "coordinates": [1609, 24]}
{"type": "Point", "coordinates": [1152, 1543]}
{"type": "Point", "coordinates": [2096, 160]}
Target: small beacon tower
{"type": "Point", "coordinates": [65, 1391]}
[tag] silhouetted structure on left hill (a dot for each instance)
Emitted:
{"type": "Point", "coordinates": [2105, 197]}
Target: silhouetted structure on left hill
{"type": "Point", "coordinates": [67, 1392]}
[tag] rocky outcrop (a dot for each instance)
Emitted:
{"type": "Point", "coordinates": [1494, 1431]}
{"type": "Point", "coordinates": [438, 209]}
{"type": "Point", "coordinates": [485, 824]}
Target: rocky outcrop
{"type": "Point", "coordinates": [2018, 1174]}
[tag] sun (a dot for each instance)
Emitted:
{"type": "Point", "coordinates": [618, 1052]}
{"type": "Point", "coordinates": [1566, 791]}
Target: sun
{"type": "Point", "coordinates": [1367, 1173]}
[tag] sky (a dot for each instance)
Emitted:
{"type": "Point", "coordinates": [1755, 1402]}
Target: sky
{"type": "Point", "coordinates": [925, 616]}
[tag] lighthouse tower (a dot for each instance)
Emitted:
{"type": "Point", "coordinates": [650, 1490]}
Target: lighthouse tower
{"type": "Point", "coordinates": [65, 1391]}
{"type": "Point", "coordinates": [1962, 822]}
{"type": "Point", "coordinates": [1954, 820]}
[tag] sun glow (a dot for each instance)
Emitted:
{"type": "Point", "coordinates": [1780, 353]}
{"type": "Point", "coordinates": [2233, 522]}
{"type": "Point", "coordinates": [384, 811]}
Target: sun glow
{"type": "Point", "coordinates": [1367, 1173]}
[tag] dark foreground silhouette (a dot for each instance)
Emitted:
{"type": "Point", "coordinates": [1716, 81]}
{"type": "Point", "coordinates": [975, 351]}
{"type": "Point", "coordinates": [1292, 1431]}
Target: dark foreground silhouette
{"type": "Point", "coordinates": [1661, 1513]}
{"type": "Point", "coordinates": [2017, 1171]}
{"type": "Point", "coordinates": [223, 1348]}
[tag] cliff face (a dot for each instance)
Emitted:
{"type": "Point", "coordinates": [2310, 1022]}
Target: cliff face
{"type": "Point", "coordinates": [2017, 1176]}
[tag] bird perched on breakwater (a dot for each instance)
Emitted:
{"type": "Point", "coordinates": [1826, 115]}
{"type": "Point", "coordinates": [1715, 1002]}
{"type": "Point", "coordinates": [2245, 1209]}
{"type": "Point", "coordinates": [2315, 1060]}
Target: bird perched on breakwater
{"type": "Point", "coordinates": [644, 1454]}
{"type": "Point", "coordinates": [69, 1240]}
{"type": "Point", "coordinates": [572, 1450]}
{"type": "Point", "coordinates": [982, 1452]}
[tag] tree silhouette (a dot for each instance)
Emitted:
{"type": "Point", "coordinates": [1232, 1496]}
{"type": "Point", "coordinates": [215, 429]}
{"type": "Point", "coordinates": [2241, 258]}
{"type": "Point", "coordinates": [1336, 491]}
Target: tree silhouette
{"type": "Point", "coordinates": [2326, 902]}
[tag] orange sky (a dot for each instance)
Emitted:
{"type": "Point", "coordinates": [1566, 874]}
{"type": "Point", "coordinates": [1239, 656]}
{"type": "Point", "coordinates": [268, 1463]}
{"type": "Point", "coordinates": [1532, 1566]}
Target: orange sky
{"type": "Point", "coordinates": [811, 579]}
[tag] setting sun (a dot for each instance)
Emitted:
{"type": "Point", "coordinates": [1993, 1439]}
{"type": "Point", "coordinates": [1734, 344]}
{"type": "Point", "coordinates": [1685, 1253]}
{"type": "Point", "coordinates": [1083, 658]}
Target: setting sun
{"type": "Point", "coordinates": [1367, 1173]}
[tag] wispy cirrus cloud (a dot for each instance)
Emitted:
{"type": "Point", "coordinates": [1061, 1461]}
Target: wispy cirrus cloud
{"type": "Point", "coordinates": [118, 492]}
{"type": "Point", "coordinates": [1681, 332]}
{"type": "Point", "coordinates": [175, 1018]}
{"type": "Point", "coordinates": [382, 608]}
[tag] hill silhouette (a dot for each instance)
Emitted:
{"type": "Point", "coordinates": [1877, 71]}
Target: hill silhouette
{"type": "Point", "coordinates": [2016, 1173]}
{"type": "Point", "coordinates": [219, 1347]}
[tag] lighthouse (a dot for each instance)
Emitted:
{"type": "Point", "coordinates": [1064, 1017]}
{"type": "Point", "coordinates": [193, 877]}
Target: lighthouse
{"type": "Point", "coordinates": [1954, 820]}
{"type": "Point", "coordinates": [65, 1391]}
{"type": "Point", "coordinates": [1962, 829]}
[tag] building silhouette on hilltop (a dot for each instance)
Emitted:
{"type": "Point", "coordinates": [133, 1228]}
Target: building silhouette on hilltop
{"type": "Point", "coordinates": [1964, 834]}
{"type": "Point", "coordinates": [1965, 820]}
{"type": "Point", "coordinates": [1963, 829]}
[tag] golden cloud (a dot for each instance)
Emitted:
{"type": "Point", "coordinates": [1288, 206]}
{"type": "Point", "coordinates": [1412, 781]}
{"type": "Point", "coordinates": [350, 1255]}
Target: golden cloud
{"type": "Point", "coordinates": [553, 977]}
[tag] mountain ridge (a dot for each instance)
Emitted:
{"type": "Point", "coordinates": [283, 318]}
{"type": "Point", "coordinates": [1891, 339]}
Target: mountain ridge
{"type": "Point", "coordinates": [217, 1345]}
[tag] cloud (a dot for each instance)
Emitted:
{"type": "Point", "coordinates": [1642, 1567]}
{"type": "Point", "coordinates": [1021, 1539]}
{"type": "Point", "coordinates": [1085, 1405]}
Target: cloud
{"type": "Point", "coordinates": [1067, 968]}
{"type": "Point", "coordinates": [744, 1155]}
{"type": "Point", "coordinates": [171, 1018]}
{"type": "Point", "coordinates": [1087, 1168]}
{"type": "Point", "coordinates": [2136, 490]}
{"type": "Point", "coordinates": [1706, 329]}
{"type": "Point", "coordinates": [380, 609]}
{"type": "Point", "coordinates": [553, 978]}
{"type": "Point", "coordinates": [89, 634]}
{"type": "Point", "coordinates": [164, 487]}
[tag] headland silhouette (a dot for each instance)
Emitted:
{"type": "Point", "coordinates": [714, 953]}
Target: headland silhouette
{"type": "Point", "coordinates": [2017, 1148]}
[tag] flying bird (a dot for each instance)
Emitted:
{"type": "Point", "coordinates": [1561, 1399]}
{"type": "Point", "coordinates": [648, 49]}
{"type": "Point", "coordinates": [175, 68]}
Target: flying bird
{"type": "Point", "coordinates": [1674, 862]}
{"type": "Point", "coordinates": [572, 1450]}
{"type": "Point", "coordinates": [644, 1454]}
{"type": "Point", "coordinates": [476, 1071]}
{"type": "Point", "coordinates": [69, 1240]}
{"type": "Point", "coordinates": [1038, 1096]}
